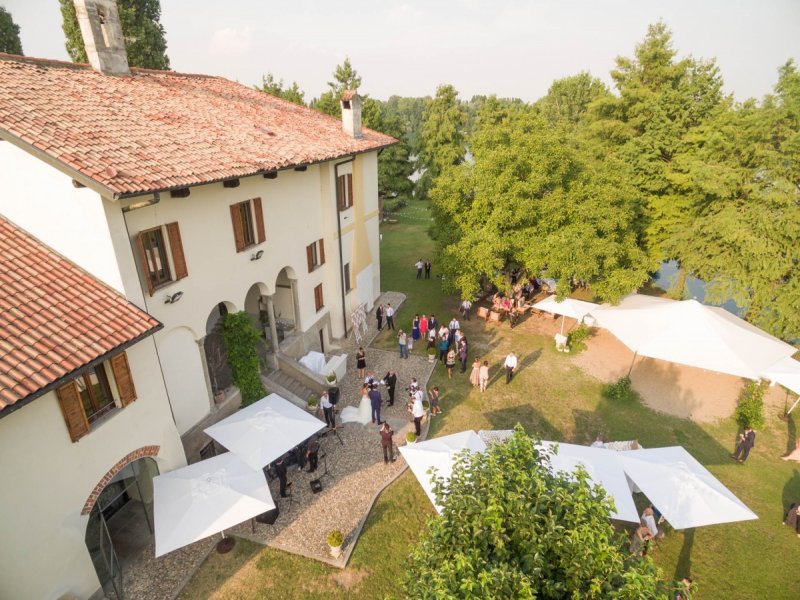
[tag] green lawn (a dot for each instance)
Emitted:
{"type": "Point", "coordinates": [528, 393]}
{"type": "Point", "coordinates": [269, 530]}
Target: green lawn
{"type": "Point", "coordinates": [555, 400]}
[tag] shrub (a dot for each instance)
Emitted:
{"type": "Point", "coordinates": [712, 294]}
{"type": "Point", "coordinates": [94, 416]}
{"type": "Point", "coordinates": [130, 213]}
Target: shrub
{"type": "Point", "coordinates": [750, 409]}
{"type": "Point", "coordinates": [313, 401]}
{"type": "Point", "coordinates": [330, 378]}
{"type": "Point", "coordinates": [431, 351]}
{"type": "Point", "coordinates": [241, 346]}
{"type": "Point", "coordinates": [335, 538]}
{"type": "Point", "coordinates": [426, 405]}
{"type": "Point", "coordinates": [576, 338]}
{"type": "Point", "coordinates": [620, 390]}
{"type": "Point", "coordinates": [411, 437]}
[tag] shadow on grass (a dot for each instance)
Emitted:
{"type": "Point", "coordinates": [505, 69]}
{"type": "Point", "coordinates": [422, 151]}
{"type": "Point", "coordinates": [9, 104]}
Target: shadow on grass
{"type": "Point", "coordinates": [791, 434]}
{"type": "Point", "coordinates": [684, 566]}
{"type": "Point", "coordinates": [531, 419]}
{"type": "Point", "coordinates": [791, 490]}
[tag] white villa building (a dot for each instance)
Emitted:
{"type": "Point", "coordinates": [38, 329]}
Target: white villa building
{"type": "Point", "coordinates": [191, 196]}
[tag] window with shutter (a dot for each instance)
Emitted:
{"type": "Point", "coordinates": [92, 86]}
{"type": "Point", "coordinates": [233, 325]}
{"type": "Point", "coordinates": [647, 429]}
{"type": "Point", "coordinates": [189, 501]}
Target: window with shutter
{"type": "Point", "coordinates": [344, 191]}
{"type": "Point", "coordinates": [248, 223]}
{"type": "Point", "coordinates": [122, 375]}
{"type": "Point", "coordinates": [318, 300]}
{"type": "Point", "coordinates": [315, 255]}
{"type": "Point", "coordinates": [88, 397]}
{"type": "Point", "coordinates": [69, 399]}
{"type": "Point", "coordinates": [151, 246]}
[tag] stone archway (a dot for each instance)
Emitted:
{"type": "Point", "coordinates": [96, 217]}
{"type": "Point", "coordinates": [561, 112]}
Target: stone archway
{"type": "Point", "coordinates": [286, 303]}
{"type": "Point", "coordinates": [120, 525]}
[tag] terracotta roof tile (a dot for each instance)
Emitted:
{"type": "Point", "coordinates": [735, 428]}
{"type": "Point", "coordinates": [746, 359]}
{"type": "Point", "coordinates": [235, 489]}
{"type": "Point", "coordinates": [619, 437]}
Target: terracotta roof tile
{"type": "Point", "coordinates": [155, 130]}
{"type": "Point", "coordinates": [54, 317]}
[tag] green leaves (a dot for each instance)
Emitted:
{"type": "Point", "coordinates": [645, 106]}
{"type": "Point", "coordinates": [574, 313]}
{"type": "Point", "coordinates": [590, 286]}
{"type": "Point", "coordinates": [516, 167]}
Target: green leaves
{"type": "Point", "coordinates": [512, 528]}
{"type": "Point", "coordinates": [241, 347]}
{"type": "Point", "coordinates": [9, 33]}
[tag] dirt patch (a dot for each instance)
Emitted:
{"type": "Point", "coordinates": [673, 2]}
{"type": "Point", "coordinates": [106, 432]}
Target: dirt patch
{"type": "Point", "coordinates": [349, 578]}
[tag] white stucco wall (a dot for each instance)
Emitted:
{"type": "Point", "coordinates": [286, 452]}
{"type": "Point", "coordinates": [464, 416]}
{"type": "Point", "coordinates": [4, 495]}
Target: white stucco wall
{"type": "Point", "coordinates": [43, 201]}
{"type": "Point", "coordinates": [183, 372]}
{"type": "Point", "coordinates": [47, 479]}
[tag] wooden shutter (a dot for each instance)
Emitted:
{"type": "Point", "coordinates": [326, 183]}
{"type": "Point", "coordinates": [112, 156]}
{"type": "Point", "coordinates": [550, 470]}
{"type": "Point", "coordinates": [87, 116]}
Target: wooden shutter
{"type": "Point", "coordinates": [318, 299]}
{"type": "Point", "coordinates": [69, 398]}
{"type": "Point", "coordinates": [143, 260]}
{"type": "Point", "coordinates": [321, 251]}
{"type": "Point", "coordinates": [310, 257]}
{"type": "Point", "coordinates": [340, 199]}
{"type": "Point", "coordinates": [176, 249]}
{"type": "Point", "coordinates": [238, 232]}
{"type": "Point", "coordinates": [349, 189]}
{"type": "Point", "coordinates": [259, 220]}
{"type": "Point", "coordinates": [122, 375]}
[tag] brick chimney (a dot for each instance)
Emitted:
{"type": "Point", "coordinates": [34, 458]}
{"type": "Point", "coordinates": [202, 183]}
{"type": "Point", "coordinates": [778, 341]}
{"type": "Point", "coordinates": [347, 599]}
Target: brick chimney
{"type": "Point", "coordinates": [351, 113]}
{"type": "Point", "coordinates": [102, 36]}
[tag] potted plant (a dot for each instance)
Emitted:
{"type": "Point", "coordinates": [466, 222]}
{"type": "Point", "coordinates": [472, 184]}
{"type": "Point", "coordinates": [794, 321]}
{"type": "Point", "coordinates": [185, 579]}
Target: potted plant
{"type": "Point", "coordinates": [331, 378]}
{"type": "Point", "coordinates": [313, 403]}
{"type": "Point", "coordinates": [411, 437]}
{"type": "Point", "coordinates": [335, 541]}
{"type": "Point", "coordinates": [431, 355]}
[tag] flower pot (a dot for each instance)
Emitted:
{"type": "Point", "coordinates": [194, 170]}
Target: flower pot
{"type": "Point", "coordinates": [431, 358]}
{"type": "Point", "coordinates": [336, 551]}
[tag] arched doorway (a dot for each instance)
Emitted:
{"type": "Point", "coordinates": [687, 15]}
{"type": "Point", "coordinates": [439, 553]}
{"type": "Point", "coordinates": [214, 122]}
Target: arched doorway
{"type": "Point", "coordinates": [287, 317]}
{"type": "Point", "coordinates": [120, 524]}
{"type": "Point", "coordinates": [218, 369]}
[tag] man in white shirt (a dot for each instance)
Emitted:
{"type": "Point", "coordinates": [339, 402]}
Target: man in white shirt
{"type": "Point", "coordinates": [389, 313]}
{"type": "Point", "coordinates": [419, 264]}
{"type": "Point", "coordinates": [327, 409]}
{"type": "Point", "coordinates": [466, 305]}
{"type": "Point", "coordinates": [417, 411]}
{"type": "Point", "coordinates": [510, 365]}
{"type": "Point", "coordinates": [454, 324]}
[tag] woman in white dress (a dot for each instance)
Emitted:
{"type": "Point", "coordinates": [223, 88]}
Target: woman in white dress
{"type": "Point", "coordinates": [362, 414]}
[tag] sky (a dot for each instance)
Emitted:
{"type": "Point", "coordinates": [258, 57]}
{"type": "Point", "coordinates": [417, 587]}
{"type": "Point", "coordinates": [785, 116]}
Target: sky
{"type": "Point", "coordinates": [511, 48]}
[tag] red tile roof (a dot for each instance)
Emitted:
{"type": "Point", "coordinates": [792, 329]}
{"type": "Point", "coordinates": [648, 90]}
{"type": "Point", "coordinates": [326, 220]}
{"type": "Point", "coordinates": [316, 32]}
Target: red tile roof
{"type": "Point", "coordinates": [55, 318]}
{"type": "Point", "coordinates": [156, 130]}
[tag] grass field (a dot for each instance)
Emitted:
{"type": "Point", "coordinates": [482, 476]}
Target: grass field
{"type": "Point", "coordinates": [555, 400]}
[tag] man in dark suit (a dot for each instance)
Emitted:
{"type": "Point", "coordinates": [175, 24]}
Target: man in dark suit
{"type": "Point", "coordinates": [280, 471]}
{"type": "Point", "coordinates": [390, 379]}
{"type": "Point", "coordinates": [312, 455]}
{"type": "Point", "coordinates": [747, 439]}
{"type": "Point", "coordinates": [375, 401]}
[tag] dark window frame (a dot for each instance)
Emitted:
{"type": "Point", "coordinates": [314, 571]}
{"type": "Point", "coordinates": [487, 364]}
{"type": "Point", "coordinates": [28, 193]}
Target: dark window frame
{"type": "Point", "coordinates": [155, 250]}
{"type": "Point", "coordinates": [248, 223]}
{"type": "Point", "coordinates": [348, 284]}
{"type": "Point", "coordinates": [96, 399]}
{"type": "Point", "coordinates": [319, 300]}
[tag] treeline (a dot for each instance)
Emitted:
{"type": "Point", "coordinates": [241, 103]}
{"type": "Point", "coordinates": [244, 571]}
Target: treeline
{"type": "Point", "coordinates": [591, 186]}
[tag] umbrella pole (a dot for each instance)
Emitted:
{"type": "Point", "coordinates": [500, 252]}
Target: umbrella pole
{"type": "Point", "coordinates": [633, 361]}
{"type": "Point", "coordinates": [793, 405]}
{"type": "Point", "coordinates": [226, 544]}
{"type": "Point", "coordinates": [562, 324]}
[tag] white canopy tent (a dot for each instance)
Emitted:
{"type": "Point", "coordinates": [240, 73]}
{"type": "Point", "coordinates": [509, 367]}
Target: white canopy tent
{"type": "Point", "coordinates": [205, 498]}
{"type": "Point", "coordinates": [568, 307]}
{"type": "Point", "coordinates": [692, 334]}
{"type": "Point", "coordinates": [265, 430]}
{"type": "Point", "coordinates": [682, 489]}
{"type": "Point", "coordinates": [604, 468]}
{"type": "Point", "coordinates": [787, 373]}
{"type": "Point", "coordinates": [439, 453]}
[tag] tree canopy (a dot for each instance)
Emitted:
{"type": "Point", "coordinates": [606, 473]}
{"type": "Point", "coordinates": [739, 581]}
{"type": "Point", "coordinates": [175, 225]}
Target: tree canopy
{"type": "Point", "coordinates": [9, 34]}
{"type": "Point", "coordinates": [275, 87]}
{"type": "Point", "coordinates": [144, 35]}
{"type": "Point", "coordinates": [512, 527]}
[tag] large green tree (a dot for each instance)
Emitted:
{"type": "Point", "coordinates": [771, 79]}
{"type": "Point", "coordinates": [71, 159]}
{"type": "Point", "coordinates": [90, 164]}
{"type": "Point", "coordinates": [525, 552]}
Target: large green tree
{"type": "Point", "coordinates": [275, 87]}
{"type": "Point", "coordinates": [532, 199]}
{"type": "Point", "coordinates": [568, 99]}
{"type": "Point", "coordinates": [443, 142]}
{"type": "Point", "coordinates": [741, 178]}
{"type": "Point", "coordinates": [512, 527]}
{"type": "Point", "coordinates": [9, 34]}
{"type": "Point", "coordinates": [144, 35]}
{"type": "Point", "coordinates": [394, 166]}
{"type": "Point", "coordinates": [345, 77]}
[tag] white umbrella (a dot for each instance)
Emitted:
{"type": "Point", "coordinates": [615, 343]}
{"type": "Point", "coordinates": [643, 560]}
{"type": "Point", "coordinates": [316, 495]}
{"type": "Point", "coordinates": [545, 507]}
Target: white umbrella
{"type": "Point", "coordinates": [682, 489]}
{"type": "Point", "coordinates": [604, 468]}
{"type": "Point", "coordinates": [693, 334]}
{"type": "Point", "coordinates": [265, 430]}
{"type": "Point", "coordinates": [439, 453]}
{"type": "Point", "coordinates": [787, 373]}
{"type": "Point", "coordinates": [205, 498]}
{"type": "Point", "coordinates": [568, 307]}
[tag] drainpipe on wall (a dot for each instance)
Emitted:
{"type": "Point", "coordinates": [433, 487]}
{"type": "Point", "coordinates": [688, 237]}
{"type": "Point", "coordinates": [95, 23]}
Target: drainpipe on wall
{"type": "Point", "coordinates": [339, 232]}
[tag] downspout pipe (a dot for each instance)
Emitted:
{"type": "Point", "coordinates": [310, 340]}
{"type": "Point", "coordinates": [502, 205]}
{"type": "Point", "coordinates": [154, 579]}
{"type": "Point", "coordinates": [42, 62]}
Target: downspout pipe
{"type": "Point", "coordinates": [339, 233]}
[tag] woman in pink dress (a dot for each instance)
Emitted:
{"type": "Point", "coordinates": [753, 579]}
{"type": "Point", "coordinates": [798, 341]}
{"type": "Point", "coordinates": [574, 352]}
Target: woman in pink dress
{"type": "Point", "coordinates": [423, 327]}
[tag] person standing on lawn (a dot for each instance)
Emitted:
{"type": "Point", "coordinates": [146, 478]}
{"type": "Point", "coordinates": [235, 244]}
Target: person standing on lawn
{"type": "Point", "coordinates": [450, 362]}
{"type": "Point", "coordinates": [389, 314]}
{"type": "Point", "coordinates": [747, 439]}
{"type": "Point", "coordinates": [420, 265]}
{"type": "Point", "coordinates": [466, 305]}
{"type": "Point", "coordinates": [423, 327]}
{"type": "Point", "coordinates": [427, 269]}
{"type": "Point", "coordinates": [433, 394]}
{"type": "Point", "coordinates": [483, 375]}
{"type": "Point", "coordinates": [511, 365]}
{"type": "Point", "coordinates": [415, 328]}
{"type": "Point", "coordinates": [474, 376]}
{"type": "Point", "coordinates": [462, 354]}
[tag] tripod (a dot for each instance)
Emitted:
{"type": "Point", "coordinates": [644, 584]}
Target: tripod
{"type": "Point", "coordinates": [325, 466]}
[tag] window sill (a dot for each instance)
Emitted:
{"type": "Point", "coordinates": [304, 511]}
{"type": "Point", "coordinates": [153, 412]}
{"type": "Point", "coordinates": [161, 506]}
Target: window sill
{"type": "Point", "coordinates": [97, 424]}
